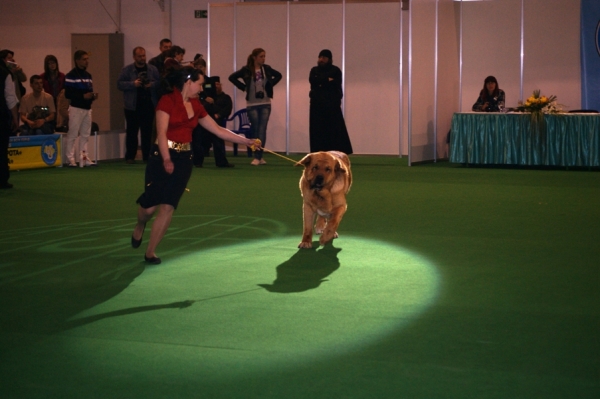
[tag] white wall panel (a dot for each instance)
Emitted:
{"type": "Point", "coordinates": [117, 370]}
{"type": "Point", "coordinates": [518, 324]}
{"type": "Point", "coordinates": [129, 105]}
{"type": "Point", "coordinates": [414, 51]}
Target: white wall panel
{"type": "Point", "coordinates": [313, 27]}
{"type": "Point", "coordinates": [422, 73]}
{"type": "Point", "coordinates": [220, 57]}
{"type": "Point", "coordinates": [491, 40]}
{"type": "Point", "coordinates": [372, 77]}
{"type": "Point", "coordinates": [448, 72]}
{"type": "Point", "coordinates": [552, 53]}
{"type": "Point", "coordinates": [265, 26]}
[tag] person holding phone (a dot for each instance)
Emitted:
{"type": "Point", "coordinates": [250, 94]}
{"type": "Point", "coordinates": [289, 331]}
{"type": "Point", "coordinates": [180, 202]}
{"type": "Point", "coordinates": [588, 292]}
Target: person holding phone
{"type": "Point", "coordinates": [80, 91]}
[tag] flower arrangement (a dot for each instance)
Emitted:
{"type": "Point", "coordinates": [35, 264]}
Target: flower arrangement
{"type": "Point", "coordinates": [538, 104]}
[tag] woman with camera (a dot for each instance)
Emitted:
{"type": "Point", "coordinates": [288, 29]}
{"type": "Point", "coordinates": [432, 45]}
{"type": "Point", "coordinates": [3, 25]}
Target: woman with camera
{"type": "Point", "coordinates": [170, 165]}
{"type": "Point", "coordinates": [257, 80]}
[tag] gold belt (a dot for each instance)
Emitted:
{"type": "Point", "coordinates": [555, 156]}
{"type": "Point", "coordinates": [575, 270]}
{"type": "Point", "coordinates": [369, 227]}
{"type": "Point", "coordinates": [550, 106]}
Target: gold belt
{"type": "Point", "coordinates": [179, 146]}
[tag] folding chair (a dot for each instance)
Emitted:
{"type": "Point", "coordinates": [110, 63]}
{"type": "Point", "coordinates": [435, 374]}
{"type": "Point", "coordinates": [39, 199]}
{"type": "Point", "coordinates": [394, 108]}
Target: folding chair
{"type": "Point", "coordinates": [241, 125]}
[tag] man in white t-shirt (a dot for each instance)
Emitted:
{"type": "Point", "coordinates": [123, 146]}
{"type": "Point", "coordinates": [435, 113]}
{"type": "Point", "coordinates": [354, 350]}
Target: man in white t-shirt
{"type": "Point", "coordinates": [37, 110]}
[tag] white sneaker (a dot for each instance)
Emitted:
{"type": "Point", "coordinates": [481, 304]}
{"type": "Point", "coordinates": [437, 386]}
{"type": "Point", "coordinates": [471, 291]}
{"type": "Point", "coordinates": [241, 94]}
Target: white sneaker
{"type": "Point", "coordinates": [72, 163]}
{"type": "Point", "coordinates": [262, 161]}
{"type": "Point", "coordinates": [255, 162]}
{"type": "Point", "coordinates": [85, 161]}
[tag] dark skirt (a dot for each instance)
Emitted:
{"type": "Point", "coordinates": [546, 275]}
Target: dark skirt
{"type": "Point", "coordinates": [161, 187]}
{"type": "Point", "coordinates": [328, 129]}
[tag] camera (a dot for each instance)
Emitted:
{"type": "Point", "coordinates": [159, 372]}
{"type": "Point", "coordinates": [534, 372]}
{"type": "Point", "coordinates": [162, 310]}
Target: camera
{"type": "Point", "coordinates": [143, 77]}
{"type": "Point", "coordinates": [259, 94]}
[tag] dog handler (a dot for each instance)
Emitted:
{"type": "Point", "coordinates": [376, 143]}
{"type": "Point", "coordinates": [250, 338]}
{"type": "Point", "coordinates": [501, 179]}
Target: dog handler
{"type": "Point", "coordinates": [170, 164]}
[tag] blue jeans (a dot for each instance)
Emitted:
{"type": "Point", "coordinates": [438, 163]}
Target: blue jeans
{"type": "Point", "coordinates": [259, 117]}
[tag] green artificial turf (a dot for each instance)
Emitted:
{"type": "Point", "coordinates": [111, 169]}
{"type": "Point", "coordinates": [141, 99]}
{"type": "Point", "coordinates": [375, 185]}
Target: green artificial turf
{"type": "Point", "coordinates": [446, 282]}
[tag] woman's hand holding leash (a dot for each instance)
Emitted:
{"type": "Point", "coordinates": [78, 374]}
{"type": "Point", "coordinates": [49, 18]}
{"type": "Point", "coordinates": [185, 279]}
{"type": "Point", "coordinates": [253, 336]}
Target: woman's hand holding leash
{"type": "Point", "coordinates": [254, 144]}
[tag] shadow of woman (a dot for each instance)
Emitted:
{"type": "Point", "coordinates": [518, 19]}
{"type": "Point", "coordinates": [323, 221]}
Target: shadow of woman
{"type": "Point", "coordinates": [305, 270]}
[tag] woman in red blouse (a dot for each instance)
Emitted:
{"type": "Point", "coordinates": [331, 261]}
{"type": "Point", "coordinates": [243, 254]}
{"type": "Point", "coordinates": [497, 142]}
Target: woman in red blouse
{"type": "Point", "coordinates": [170, 164]}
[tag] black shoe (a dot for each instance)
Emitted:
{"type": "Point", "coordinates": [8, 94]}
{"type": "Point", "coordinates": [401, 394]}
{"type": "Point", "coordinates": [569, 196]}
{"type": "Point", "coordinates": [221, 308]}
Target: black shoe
{"type": "Point", "coordinates": [198, 166]}
{"type": "Point", "coordinates": [153, 260]}
{"type": "Point", "coordinates": [136, 243]}
{"type": "Point", "coordinates": [6, 185]}
{"type": "Point", "coordinates": [227, 165]}
{"type": "Point", "coordinates": [130, 161]}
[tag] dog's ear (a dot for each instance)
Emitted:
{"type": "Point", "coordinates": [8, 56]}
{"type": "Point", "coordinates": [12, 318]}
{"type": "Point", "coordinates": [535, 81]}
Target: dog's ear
{"type": "Point", "coordinates": [339, 167]}
{"type": "Point", "coordinates": [304, 161]}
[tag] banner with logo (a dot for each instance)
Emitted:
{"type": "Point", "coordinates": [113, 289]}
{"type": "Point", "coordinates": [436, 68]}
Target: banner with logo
{"type": "Point", "coordinates": [590, 54]}
{"type": "Point", "coordinates": [28, 152]}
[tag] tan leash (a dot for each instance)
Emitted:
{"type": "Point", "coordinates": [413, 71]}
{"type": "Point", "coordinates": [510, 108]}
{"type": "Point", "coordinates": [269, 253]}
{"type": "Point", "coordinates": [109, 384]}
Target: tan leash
{"type": "Point", "coordinates": [258, 143]}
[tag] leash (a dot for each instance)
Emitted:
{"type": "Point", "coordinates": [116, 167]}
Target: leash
{"type": "Point", "coordinates": [258, 143]}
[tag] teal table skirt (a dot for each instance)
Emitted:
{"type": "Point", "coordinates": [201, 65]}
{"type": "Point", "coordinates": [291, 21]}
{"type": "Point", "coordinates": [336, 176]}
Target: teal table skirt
{"type": "Point", "coordinates": [512, 139]}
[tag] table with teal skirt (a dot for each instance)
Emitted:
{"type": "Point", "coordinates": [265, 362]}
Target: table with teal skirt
{"type": "Point", "coordinates": [518, 139]}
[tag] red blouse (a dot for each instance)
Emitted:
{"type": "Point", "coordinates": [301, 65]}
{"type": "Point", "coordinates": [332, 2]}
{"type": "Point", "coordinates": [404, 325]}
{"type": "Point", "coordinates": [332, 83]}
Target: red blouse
{"type": "Point", "coordinates": [180, 126]}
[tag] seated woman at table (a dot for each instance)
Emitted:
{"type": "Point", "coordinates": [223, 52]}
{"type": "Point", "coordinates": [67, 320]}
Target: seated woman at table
{"type": "Point", "coordinates": [491, 98]}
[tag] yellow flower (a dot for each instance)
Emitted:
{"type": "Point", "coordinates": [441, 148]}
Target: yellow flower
{"type": "Point", "coordinates": [544, 99]}
{"type": "Point", "coordinates": [528, 103]}
{"type": "Point", "coordinates": [531, 99]}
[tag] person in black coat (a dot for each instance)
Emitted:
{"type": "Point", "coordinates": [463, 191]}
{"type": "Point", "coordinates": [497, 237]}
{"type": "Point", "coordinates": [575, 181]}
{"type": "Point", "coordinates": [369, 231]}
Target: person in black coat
{"type": "Point", "coordinates": [327, 126]}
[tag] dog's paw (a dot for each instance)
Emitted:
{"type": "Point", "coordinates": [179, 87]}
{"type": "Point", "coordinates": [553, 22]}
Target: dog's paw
{"type": "Point", "coordinates": [319, 231]}
{"type": "Point", "coordinates": [304, 244]}
{"type": "Point", "coordinates": [335, 235]}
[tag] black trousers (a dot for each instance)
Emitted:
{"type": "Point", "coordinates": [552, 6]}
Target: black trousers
{"type": "Point", "coordinates": [139, 120]}
{"type": "Point", "coordinates": [201, 142]}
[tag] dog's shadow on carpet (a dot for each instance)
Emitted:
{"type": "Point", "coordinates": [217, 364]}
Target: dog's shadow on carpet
{"type": "Point", "coordinates": [305, 270]}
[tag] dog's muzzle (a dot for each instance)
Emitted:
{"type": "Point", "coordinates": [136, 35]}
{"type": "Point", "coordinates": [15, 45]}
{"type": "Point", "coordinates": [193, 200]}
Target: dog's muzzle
{"type": "Point", "coordinates": [317, 183]}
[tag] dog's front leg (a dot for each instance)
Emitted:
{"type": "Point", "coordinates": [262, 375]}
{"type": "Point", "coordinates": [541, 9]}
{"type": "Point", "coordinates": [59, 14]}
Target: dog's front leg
{"type": "Point", "coordinates": [309, 219]}
{"type": "Point", "coordinates": [333, 222]}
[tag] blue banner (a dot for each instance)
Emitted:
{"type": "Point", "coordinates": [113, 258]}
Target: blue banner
{"type": "Point", "coordinates": [590, 54]}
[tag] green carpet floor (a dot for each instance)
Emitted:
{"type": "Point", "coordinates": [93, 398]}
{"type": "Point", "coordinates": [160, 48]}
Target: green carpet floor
{"type": "Point", "coordinates": [445, 282]}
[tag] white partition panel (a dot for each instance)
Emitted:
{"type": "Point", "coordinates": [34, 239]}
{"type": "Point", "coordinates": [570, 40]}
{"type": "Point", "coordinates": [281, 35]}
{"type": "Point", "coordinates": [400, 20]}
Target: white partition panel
{"type": "Point", "coordinates": [221, 46]}
{"type": "Point", "coordinates": [491, 40]}
{"type": "Point", "coordinates": [265, 26]}
{"type": "Point", "coordinates": [313, 27]}
{"type": "Point", "coordinates": [422, 80]}
{"type": "Point", "coordinates": [447, 72]}
{"type": "Point", "coordinates": [552, 59]}
{"type": "Point", "coordinates": [372, 77]}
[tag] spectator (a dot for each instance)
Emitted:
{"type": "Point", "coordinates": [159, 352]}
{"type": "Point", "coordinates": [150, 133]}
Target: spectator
{"type": "Point", "coordinates": [202, 139]}
{"type": "Point", "coordinates": [327, 126]}
{"type": "Point", "coordinates": [16, 71]}
{"type": "Point", "coordinates": [52, 78]}
{"type": "Point", "coordinates": [138, 82]}
{"type": "Point", "coordinates": [258, 80]}
{"type": "Point", "coordinates": [37, 110]}
{"type": "Point", "coordinates": [8, 120]}
{"type": "Point", "coordinates": [80, 91]}
{"type": "Point", "coordinates": [173, 58]}
{"type": "Point", "coordinates": [159, 61]}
